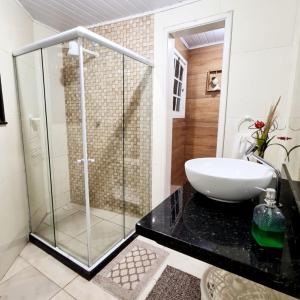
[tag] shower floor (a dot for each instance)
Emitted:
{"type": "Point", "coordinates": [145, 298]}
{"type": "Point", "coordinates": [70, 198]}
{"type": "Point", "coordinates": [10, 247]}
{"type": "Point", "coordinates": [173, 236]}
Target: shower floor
{"type": "Point", "coordinates": [71, 235]}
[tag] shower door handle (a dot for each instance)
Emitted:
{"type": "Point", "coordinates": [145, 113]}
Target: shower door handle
{"type": "Point", "coordinates": [80, 161]}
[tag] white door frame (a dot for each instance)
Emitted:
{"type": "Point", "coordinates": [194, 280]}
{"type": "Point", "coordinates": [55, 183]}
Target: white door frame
{"type": "Point", "coordinates": [227, 18]}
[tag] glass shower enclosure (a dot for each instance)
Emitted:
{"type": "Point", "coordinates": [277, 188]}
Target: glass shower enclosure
{"type": "Point", "coordinates": [85, 108]}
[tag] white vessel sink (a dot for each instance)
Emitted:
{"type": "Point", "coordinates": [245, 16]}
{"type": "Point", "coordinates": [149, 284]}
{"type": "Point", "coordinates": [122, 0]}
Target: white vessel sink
{"type": "Point", "coordinates": [227, 179]}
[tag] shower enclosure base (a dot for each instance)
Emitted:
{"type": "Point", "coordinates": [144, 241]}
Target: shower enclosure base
{"type": "Point", "coordinates": [84, 271]}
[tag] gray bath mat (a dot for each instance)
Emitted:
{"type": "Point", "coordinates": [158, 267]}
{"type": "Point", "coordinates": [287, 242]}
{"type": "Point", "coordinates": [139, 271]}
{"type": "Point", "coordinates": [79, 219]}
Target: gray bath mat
{"type": "Point", "coordinates": [176, 284]}
{"type": "Point", "coordinates": [127, 274]}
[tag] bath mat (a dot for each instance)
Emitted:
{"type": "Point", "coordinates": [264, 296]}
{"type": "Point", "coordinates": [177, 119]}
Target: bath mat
{"type": "Point", "coordinates": [127, 274]}
{"type": "Point", "coordinates": [175, 284]}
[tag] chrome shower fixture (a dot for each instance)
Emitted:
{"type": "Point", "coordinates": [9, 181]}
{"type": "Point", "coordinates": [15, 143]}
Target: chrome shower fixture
{"type": "Point", "coordinates": [74, 50]}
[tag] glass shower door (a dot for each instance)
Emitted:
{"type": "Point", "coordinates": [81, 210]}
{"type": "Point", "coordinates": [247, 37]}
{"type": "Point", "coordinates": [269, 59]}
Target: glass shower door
{"type": "Point", "coordinates": [85, 123]}
{"type": "Point", "coordinates": [61, 72]}
{"type": "Point", "coordinates": [103, 85]}
{"type": "Point", "coordinates": [137, 141]}
{"type": "Point", "coordinates": [35, 142]}
{"type": "Point", "coordinates": [86, 119]}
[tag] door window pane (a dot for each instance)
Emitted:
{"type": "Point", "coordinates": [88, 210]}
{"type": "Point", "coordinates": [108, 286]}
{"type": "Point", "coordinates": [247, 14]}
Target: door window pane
{"type": "Point", "coordinates": [174, 103]}
{"type": "Point", "coordinates": [177, 69]}
{"type": "Point", "coordinates": [179, 89]}
{"type": "Point", "coordinates": [178, 104]}
{"type": "Point", "coordinates": [179, 82]}
{"type": "Point", "coordinates": [181, 72]}
{"type": "Point", "coordinates": [175, 87]}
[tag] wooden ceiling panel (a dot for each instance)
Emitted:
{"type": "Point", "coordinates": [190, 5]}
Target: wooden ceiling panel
{"type": "Point", "coordinates": [66, 14]}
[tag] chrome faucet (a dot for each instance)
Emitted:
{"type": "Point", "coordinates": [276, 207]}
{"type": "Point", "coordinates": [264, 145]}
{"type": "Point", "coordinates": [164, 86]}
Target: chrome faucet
{"type": "Point", "coordinates": [250, 153]}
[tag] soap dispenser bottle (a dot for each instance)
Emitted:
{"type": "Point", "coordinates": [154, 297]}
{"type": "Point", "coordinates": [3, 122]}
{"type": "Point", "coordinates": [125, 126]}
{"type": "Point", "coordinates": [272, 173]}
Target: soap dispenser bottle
{"type": "Point", "coordinates": [268, 224]}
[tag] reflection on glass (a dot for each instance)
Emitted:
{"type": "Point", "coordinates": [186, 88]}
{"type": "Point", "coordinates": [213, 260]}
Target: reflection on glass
{"type": "Point", "coordinates": [104, 114]}
{"type": "Point", "coordinates": [137, 141]}
{"type": "Point", "coordinates": [61, 80]}
{"type": "Point", "coordinates": [34, 128]}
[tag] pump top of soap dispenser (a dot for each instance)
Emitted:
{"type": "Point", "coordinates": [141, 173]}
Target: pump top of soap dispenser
{"type": "Point", "coordinates": [270, 198]}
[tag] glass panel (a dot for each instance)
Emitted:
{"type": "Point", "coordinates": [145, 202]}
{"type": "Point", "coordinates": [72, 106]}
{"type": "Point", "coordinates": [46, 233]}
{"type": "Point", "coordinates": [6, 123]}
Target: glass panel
{"type": "Point", "coordinates": [118, 143]}
{"type": "Point", "coordinates": [137, 140]}
{"type": "Point", "coordinates": [179, 89]}
{"type": "Point", "coordinates": [177, 69]}
{"type": "Point", "coordinates": [175, 87]}
{"type": "Point", "coordinates": [62, 90]}
{"type": "Point", "coordinates": [174, 103]}
{"type": "Point", "coordinates": [178, 104]}
{"type": "Point", "coordinates": [31, 96]}
{"type": "Point", "coordinates": [103, 75]}
{"type": "Point", "coordinates": [181, 73]}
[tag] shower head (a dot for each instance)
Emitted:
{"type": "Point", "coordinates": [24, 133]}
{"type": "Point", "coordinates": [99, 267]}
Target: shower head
{"type": "Point", "coordinates": [74, 50]}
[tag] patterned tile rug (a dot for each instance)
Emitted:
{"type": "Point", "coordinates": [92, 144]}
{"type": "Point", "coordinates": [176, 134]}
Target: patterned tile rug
{"type": "Point", "coordinates": [129, 272]}
{"type": "Point", "coordinates": [176, 284]}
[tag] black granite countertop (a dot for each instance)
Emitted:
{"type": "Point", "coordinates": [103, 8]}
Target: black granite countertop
{"type": "Point", "coordinates": [219, 233]}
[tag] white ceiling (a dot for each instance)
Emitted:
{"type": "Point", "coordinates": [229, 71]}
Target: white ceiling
{"type": "Point", "coordinates": [66, 14]}
{"type": "Point", "coordinates": [204, 39]}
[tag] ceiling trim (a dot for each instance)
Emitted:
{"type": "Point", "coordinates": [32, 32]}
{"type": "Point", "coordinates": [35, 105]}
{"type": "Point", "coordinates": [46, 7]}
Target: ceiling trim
{"type": "Point", "coordinates": [184, 43]}
{"type": "Point", "coordinates": [46, 26]}
{"type": "Point", "coordinates": [199, 46]}
{"type": "Point", "coordinates": [150, 12]}
{"type": "Point", "coordinates": [25, 10]}
{"type": "Point", "coordinates": [206, 45]}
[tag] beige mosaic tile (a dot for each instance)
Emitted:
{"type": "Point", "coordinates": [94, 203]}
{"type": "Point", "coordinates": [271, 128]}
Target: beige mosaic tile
{"type": "Point", "coordinates": [118, 106]}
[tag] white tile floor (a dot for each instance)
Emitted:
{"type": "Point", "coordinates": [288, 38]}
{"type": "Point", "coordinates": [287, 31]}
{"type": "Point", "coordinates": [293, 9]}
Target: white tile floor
{"type": "Point", "coordinates": [37, 276]}
{"type": "Point", "coordinates": [106, 230]}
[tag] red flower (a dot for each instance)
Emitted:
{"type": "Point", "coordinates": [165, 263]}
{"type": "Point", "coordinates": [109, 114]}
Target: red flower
{"type": "Point", "coordinates": [284, 138]}
{"type": "Point", "coordinates": [259, 124]}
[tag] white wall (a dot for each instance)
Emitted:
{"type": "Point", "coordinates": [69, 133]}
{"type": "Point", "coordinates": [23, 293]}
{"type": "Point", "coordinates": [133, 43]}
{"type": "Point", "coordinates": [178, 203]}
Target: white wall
{"type": "Point", "coordinates": [260, 69]}
{"type": "Point", "coordinates": [293, 122]}
{"type": "Point", "coordinates": [15, 31]}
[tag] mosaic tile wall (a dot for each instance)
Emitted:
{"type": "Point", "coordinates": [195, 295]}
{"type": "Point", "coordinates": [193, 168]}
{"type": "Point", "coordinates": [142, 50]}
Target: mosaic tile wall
{"type": "Point", "coordinates": [105, 127]}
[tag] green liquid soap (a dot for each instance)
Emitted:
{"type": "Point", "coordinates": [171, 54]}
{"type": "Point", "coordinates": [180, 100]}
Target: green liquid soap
{"type": "Point", "coordinates": [268, 223]}
{"type": "Point", "coordinates": [267, 238]}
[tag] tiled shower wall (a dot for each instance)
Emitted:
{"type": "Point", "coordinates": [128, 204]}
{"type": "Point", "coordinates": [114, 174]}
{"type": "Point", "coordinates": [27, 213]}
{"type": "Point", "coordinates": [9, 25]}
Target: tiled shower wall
{"type": "Point", "coordinates": [107, 83]}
